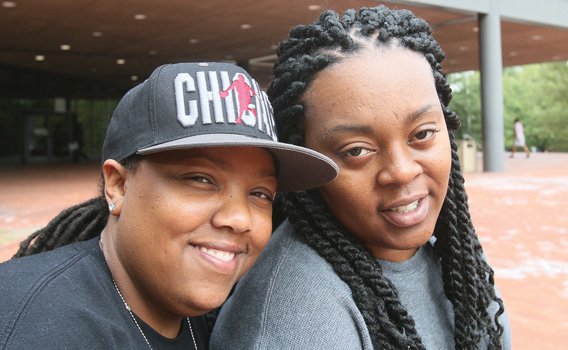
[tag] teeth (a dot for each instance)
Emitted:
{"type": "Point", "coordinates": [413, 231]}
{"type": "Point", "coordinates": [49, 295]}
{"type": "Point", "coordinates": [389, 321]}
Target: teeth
{"type": "Point", "coordinates": [406, 208]}
{"type": "Point", "coordinates": [219, 254]}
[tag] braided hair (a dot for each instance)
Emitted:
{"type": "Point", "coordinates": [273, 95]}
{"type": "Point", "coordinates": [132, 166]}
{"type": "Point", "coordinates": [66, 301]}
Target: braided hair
{"type": "Point", "coordinates": [468, 279]}
{"type": "Point", "coordinates": [77, 223]}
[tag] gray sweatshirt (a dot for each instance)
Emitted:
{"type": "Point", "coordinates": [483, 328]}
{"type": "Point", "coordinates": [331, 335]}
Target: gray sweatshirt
{"type": "Point", "coordinates": [292, 299]}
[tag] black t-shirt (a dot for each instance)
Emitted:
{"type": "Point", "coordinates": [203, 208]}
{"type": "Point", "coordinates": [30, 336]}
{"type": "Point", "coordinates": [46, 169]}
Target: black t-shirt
{"type": "Point", "coordinates": [183, 341]}
{"type": "Point", "coordinates": [65, 299]}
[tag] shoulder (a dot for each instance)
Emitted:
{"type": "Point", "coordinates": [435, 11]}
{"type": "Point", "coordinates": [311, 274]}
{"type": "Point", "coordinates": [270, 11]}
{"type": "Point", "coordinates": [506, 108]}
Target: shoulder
{"type": "Point", "coordinates": [291, 298]}
{"type": "Point", "coordinates": [288, 267]}
{"type": "Point", "coordinates": [28, 277]}
{"type": "Point", "coordinates": [55, 298]}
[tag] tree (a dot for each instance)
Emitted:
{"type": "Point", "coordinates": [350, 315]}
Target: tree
{"type": "Point", "coordinates": [536, 94]}
{"type": "Point", "coordinates": [466, 102]}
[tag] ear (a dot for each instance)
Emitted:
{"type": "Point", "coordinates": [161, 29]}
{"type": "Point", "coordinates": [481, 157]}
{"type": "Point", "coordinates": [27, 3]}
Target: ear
{"type": "Point", "coordinates": [115, 184]}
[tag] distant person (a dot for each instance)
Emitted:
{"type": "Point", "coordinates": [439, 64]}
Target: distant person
{"type": "Point", "coordinates": [78, 143]}
{"type": "Point", "coordinates": [185, 209]}
{"type": "Point", "coordinates": [519, 141]}
{"type": "Point", "coordinates": [386, 255]}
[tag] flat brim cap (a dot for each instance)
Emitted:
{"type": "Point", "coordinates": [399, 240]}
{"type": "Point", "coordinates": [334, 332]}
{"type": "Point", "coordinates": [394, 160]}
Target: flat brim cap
{"type": "Point", "coordinates": [299, 168]}
{"type": "Point", "coordinates": [208, 104]}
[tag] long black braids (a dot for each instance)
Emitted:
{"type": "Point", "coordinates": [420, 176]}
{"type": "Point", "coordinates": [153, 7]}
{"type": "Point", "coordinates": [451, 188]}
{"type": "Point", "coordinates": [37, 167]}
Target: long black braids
{"type": "Point", "coordinates": [67, 227]}
{"type": "Point", "coordinates": [77, 223]}
{"type": "Point", "coordinates": [468, 279]}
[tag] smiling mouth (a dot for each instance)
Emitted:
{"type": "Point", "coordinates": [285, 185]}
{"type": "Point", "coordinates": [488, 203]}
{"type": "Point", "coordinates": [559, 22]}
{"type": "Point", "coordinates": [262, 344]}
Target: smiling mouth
{"type": "Point", "coordinates": [409, 214]}
{"type": "Point", "coordinates": [218, 254]}
{"type": "Point", "coordinates": [403, 209]}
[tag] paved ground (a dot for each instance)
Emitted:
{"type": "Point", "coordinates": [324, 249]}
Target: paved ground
{"type": "Point", "coordinates": [521, 216]}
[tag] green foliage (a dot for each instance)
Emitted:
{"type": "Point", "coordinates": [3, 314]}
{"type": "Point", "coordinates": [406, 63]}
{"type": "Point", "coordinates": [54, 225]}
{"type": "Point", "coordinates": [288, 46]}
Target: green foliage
{"type": "Point", "coordinates": [466, 102]}
{"type": "Point", "coordinates": [536, 94]}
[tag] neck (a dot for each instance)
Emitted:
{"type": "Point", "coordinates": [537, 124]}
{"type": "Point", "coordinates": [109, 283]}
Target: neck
{"type": "Point", "coordinates": [141, 304]}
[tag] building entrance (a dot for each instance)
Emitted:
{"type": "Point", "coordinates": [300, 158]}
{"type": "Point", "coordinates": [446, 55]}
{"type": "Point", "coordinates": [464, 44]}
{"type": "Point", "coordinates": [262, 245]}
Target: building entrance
{"type": "Point", "coordinates": [48, 137]}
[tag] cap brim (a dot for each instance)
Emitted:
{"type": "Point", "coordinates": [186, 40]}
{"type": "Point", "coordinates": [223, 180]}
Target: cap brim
{"type": "Point", "coordinates": [299, 168]}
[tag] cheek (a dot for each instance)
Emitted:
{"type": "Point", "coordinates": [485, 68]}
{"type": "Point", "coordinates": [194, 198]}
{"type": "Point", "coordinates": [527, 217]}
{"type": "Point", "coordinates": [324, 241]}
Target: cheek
{"type": "Point", "coordinates": [352, 184]}
{"type": "Point", "coordinates": [439, 167]}
{"type": "Point", "coordinates": [258, 239]}
{"type": "Point", "coordinates": [332, 192]}
{"type": "Point", "coordinates": [181, 213]}
{"type": "Point", "coordinates": [261, 232]}
{"type": "Point", "coordinates": [148, 207]}
{"type": "Point", "coordinates": [348, 191]}
{"type": "Point", "coordinates": [443, 164]}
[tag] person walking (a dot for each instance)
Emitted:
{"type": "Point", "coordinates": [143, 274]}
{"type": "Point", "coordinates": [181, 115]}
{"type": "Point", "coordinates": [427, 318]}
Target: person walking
{"type": "Point", "coordinates": [519, 132]}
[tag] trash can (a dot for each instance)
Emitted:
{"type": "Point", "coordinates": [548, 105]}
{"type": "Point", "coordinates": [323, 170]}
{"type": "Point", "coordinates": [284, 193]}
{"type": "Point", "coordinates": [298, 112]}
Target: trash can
{"type": "Point", "coordinates": [467, 152]}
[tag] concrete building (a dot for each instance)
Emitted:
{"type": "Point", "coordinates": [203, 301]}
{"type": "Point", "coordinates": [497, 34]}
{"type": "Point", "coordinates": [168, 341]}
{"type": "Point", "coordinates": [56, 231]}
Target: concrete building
{"type": "Point", "coordinates": [68, 60]}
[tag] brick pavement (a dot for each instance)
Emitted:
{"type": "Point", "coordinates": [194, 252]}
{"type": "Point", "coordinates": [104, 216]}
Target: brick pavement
{"type": "Point", "coordinates": [521, 217]}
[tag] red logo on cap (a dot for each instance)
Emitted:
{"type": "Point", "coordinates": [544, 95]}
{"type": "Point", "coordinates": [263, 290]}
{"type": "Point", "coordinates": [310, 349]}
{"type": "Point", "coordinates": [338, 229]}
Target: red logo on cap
{"type": "Point", "coordinates": [244, 94]}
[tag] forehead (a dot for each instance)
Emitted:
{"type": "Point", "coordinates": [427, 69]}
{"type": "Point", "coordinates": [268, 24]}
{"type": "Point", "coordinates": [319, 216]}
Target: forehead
{"type": "Point", "coordinates": [255, 159]}
{"type": "Point", "coordinates": [391, 79]}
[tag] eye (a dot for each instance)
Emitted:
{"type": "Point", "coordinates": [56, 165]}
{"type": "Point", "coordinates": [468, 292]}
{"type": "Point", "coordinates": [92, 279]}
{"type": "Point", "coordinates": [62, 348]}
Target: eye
{"type": "Point", "coordinates": [199, 179]}
{"type": "Point", "coordinates": [265, 195]}
{"type": "Point", "coordinates": [425, 134]}
{"type": "Point", "coordinates": [356, 152]}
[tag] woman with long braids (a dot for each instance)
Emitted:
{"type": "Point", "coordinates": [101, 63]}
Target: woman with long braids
{"type": "Point", "coordinates": [385, 256]}
{"type": "Point", "coordinates": [189, 177]}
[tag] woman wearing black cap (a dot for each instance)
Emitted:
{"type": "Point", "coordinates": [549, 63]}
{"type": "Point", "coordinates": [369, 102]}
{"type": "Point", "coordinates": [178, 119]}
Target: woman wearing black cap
{"type": "Point", "coordinates": [188, 180]}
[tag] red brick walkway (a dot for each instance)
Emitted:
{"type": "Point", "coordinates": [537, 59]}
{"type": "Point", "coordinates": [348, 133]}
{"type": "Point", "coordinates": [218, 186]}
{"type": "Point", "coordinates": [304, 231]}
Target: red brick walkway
{"type": "Point", "coordinates": [521, 216]}
{"type": "Point", "coordinates": [30, 196]}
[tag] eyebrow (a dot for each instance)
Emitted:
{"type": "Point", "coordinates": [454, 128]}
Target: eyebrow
{"type": "Point", "coordinates": [347, 129]}
{"type": "Point", "coordinates": [419, 112]}
{"type": "Point", "coordinates": [366, 129]}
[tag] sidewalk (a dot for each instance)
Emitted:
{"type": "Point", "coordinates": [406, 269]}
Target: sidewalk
{"type": "Point", "coordinates": [30, 196]}
{"type": "Point", "coordinates": [521, 217]}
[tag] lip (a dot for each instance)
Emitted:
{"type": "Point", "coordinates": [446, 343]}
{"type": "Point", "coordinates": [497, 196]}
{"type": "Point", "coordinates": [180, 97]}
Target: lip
{"type": "Point", "coordinates": [216, 264]}
{"type": "Point", "coordinates": [411, 218]}
{"type": "Point", "coordinates": [404, 201]}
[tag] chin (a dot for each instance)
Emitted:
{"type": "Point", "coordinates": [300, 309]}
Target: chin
{"type": "Point", "coordinates": [413, 240]}
{"type": "Point", "coordinates": [205, 300]}
{"type": "Point", "coordinates": [214, 301]}
{"type": "Point", "coordinates": [202, 308]}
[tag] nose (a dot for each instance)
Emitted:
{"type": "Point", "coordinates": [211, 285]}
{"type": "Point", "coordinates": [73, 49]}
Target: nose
{"type": "Point", "coordinates": [398, 166]}
{"type": "Point", "coordinates": [233, 214]}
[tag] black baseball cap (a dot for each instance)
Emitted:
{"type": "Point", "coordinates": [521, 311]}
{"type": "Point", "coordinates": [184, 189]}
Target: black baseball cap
{"type": "Point", "coordinates": [209, 104]}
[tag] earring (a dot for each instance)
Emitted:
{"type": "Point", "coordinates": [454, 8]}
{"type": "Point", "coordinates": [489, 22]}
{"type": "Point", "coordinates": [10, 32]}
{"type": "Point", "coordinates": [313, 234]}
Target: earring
{"type": "Point", "coordinates": [111, 207]}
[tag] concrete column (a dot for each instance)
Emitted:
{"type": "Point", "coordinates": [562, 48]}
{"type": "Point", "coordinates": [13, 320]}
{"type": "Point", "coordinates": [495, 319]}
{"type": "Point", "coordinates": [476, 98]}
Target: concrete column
{"type": "Point", "coordinates": [491, 69]}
